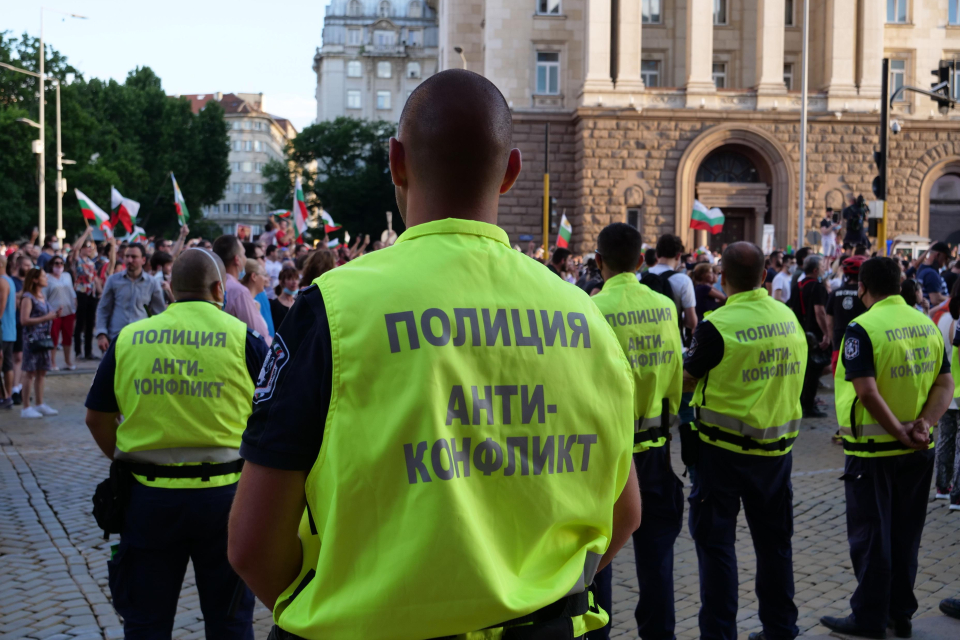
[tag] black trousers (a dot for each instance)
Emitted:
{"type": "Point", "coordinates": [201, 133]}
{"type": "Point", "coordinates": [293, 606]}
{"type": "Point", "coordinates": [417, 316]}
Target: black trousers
{"type": "Point", "coordinates": [886, 511]}
{"type": "Point", "coordinates": [86, 319]}
{"type": "Point", "coordinates": [724, 479]}
{"type": "Point", "coordinates": [163, 529]}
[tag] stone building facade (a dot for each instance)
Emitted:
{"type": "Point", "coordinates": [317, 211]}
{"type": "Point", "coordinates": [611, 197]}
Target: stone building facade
{"type": "Point", "coordinates": [256, 137]}
{"type": "Point", "coordinates": [655, 103]}
{"type": "Point", "coordinates": [374, 53]}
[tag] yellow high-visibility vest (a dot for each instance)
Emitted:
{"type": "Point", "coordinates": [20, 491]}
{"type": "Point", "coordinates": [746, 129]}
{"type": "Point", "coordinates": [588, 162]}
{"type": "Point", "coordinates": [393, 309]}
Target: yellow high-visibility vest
{"type": "Point", "coordinates": [646, 326]}
{"type": "Point", "coordinates": [479, 432]}
{"type": "Point", "coordinates": [185, 393]}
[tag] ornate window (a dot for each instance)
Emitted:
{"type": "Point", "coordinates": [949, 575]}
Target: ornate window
{"type": "Point", "coordinates": [725, 165]}
{"type": "Point", "coordinates": [384, 9]}
{"type": "Point", "coordinates": [415, 10]}
{"type": "Point", "coordinates": [354, 8]}
{"type": "Point", "coordinates": [897, 11]}
{"type": "Point", "coordinates": [651, 12]}
{"type": "Point", "coordinates": [384, 69]}
{"type": "Point", "coordinates": [354, 69]}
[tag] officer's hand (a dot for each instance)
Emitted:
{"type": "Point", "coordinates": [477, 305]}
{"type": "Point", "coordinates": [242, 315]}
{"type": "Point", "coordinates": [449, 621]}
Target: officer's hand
{"type": "Point", "coordinates": [103, 342]}
{"type": "Point", "coordinates": [907, 436]}
{"type": "Point", "coordinates": [921, 432]}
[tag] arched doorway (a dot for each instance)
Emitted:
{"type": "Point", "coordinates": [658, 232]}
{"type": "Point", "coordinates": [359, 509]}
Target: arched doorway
{"type": "Point", "coordinates": [945, 209]}
{"type": "Point", "coordinates": [729, 179]}
{"type": "Point", "coordinates": [775, 185]}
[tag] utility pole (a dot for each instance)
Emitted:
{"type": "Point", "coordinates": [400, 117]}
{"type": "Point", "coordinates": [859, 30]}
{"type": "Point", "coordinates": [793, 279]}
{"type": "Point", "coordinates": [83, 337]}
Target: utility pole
{"type": "Point", "coordinates": [42, 226]}
{"type": "Point", "coordinates": [880, 182]}
{"type": "Point", "coordinates": [546, 194]}
{"type": "Point", "coordinates": [801, 213]}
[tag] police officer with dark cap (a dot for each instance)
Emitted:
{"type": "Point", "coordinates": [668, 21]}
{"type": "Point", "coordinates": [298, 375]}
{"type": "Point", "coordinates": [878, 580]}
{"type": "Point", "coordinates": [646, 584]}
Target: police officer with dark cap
{"type": "Point", "coordinates": [843, 304]}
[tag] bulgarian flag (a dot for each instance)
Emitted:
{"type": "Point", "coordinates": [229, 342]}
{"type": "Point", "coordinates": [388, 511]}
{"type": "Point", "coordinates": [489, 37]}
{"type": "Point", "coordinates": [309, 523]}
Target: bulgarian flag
{"type": "Point", "coordinates": [183, 216]}
{"type": "Point", "coordinates": [300, 213]}
{"type": "Point", "coordinates": [137, 235]}
{"type": "Point", "coordinates": [92, 212]}
{"type": "Point", "coordinates": [329, 226]}
{"type": "Point", "coordinates": [566, 229]}
{"type": "Point", "coordinates": [333, 244]}
{"type": "Point", "coordinates": [124, 210]}
{"type": "Point", "coordinates": [280, 213]}
{"type": "Point", "coordinates": [707, 219]}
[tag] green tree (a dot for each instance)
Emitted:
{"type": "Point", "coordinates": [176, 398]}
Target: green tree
{"type": "Point", "coordinates": [352, 175]}
{"type": "Point", "coordinates": [128, 135]}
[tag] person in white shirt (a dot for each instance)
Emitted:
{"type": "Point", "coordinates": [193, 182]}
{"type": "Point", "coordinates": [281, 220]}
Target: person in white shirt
{"type": "Point", "coordinates": [669, 251]}
{"type": "Point", "coordinates": [273, 266]}
{"type": "Point", "coordinates": [782, 281]}
{"type": "Point", "coordinates": [828, 235]}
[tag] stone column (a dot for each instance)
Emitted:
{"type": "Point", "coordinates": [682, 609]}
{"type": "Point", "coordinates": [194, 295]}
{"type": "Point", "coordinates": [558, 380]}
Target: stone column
{"type": "Point", "coordinates": [628, 49]}
{"type": "Point", "coordinates": [871, 48]}
{"type": "Point", "coordinates": [770, 26]}
{"type": "Point", "coordinates": [597, 72]}
{"type": "Point", "coordinates": [838, 52]}
{"type": "Point", "coordinates": [699, 59]}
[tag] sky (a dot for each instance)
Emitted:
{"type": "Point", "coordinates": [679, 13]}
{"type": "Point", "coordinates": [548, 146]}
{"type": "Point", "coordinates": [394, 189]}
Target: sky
{"type": "Point", "coordinates": [197, 46]}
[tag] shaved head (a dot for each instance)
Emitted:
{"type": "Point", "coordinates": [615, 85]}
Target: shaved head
{"type": "Point", "coordinates": [194, 274]}
{"type": "Point", "coordinates": [742, 266]}
{"type": "Point", "coordinates": [456, 133]}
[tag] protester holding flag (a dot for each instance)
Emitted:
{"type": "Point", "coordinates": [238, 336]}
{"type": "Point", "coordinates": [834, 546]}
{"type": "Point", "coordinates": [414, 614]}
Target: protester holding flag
{"type": "Point", "coordinates": [127, 297]}
{"type": "Point", "coordinates": [82, 262]}
{"type": "Point", "coordinates": [92, 213]}
{"type": "Point", "coordinates": [300, 212]}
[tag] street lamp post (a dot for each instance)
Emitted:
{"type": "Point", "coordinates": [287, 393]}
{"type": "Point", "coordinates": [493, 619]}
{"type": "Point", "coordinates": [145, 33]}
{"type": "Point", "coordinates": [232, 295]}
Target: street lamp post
{"type": "Point", "coordinates": [463, 58]}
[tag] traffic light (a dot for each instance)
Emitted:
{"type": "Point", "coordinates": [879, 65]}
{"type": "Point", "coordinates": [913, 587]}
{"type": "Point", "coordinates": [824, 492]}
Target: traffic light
{"type": "Point", "coordinates": [946, 79]}
{"type": "Point", "coordinates": [554, 220]}
{"type": "Point", "coordinates": [879, 182]}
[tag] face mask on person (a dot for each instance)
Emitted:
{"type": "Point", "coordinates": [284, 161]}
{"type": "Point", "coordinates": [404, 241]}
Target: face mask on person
{"type": "Point", "coordinates": [290, 292]}
{"type": "Point", "coordinates": [55, 246]}
{"type": "Point", "coordinates": [242, 273]}
{"type": "Point", "coordinates": [793, 268]}
{"type": "Point", "coordinates": [57, 270]}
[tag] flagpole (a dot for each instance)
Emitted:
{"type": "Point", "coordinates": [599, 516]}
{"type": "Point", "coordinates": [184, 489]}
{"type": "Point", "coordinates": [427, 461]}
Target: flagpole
{"type": "Point", "coordinates": [803, 128]}
{"type": "Point", "coordinates": [546, 195]}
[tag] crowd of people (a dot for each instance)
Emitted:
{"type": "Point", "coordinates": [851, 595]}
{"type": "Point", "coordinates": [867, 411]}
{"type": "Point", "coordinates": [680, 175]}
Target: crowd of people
{"type": "Point", "coordinates": [61, 303]}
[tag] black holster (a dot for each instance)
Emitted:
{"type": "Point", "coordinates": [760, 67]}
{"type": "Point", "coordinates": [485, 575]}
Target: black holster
{"type": "Point", "coordinates": [111, 498]}
{"type": "Point", "coordinates": [689, 445]}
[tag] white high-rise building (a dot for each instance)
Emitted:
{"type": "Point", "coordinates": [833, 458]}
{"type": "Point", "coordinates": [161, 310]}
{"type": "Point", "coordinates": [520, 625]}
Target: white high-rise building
{"type": "Point", "coordinates": [374, 53]}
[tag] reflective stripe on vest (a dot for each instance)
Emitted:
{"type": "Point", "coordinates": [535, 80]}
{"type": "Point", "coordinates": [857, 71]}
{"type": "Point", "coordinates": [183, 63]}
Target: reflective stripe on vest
{"type": "Point", "coordinates": [729, 422]}
{"type": "Point", "coordinates": [180, 455]}
{"type": "Point", "coordinates": [645, 324]}
{"type": "Point", "coordinates": [907, 357]}
{"type": "Point", "coordinates": [185, 394]}
{"type": "Point", "coordinates": [492, 421]}
{"type": "Point", "coordinates": [754, 392]}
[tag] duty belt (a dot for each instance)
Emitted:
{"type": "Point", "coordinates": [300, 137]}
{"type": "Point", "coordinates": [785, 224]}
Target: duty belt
{"type": "Point", "coordinates": [745, 443]}
{"type": "Point", "coordinates": [871, 446]}
{"type": "Point", "coordinates": [204, 470]}
{"type": "Point", "coordinates": [653, 433]}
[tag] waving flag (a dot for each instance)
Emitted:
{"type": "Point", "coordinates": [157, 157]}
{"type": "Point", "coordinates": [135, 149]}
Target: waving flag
{"type": "Point", "coordinates": [333, 244]}
{"type": "Point", "coordinates": [707, 219]}
{"type": "Point", "coordinates": [92, 212]}
{"type": "Point", "coordinates": [124, 210]}
{"type": "Point", "coordinates": [300, 213]}
{"type": "Point", "coordinates": [183, 216]}
{"type": "Point", "coordinates": [137, 235]}
{"type": "Point", "coordinates": [566, 230]}
{"type": "Point", "coordinates": [280, 213]}
{"type": "Point", "coordinates": [329, 226]}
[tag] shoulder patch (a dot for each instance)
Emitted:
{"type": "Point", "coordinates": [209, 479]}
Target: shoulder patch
{"type": "Point", "coordinates": [851, 348]}
{"type": "Point", "coordinates": [277, 357]}
{"type": "Point", "coordinates": [692, 347]}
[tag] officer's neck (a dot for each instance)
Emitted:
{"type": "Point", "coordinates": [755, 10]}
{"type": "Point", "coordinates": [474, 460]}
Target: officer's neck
{"type": "Point", "coordinates": [869, 299]}
{"type": "Point", "coordinates": [424, 207]}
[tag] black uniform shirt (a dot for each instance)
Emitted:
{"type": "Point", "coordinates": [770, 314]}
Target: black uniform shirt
{"type": "Point", "coordinates": [705, 351]}
{"type": "Point", "coordinates": [812, 293]}
{"type": "Point", "coordinates": [844, 305]}
{"type": "Point", "coordinates": [101, 396]}
{"type": "Point", "coordinates": [858, 354]}
{"type": "Point", "coordinates": [290, 405]}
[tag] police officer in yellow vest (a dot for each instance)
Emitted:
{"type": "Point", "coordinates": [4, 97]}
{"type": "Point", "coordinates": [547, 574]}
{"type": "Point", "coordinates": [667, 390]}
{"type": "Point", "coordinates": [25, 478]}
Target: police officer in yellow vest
{"type": "Point", "coordinates": [463, 452]}
{"type": "Point", "coordinates": [747, 361]}
{"type": "Point", "coordinates": [892, 384]}
{"type": "Point", "coordinates": [180, 385]}
{"type": "Point", "coordinates": [646, 325]}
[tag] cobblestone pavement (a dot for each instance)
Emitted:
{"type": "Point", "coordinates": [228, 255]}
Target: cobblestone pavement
{"type": "Point", "coordinates": [53, 575]}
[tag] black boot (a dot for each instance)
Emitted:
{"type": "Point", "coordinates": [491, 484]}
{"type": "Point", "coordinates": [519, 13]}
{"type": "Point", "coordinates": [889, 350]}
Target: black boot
{"type": "Point", "coordinates": [850, 627]}
{"type": "Point", "coordinates": [901, 628]}
{"type": "Point", "coordinates": [757, 635]}
{"type": "Point", "coordinates": [951, 607]}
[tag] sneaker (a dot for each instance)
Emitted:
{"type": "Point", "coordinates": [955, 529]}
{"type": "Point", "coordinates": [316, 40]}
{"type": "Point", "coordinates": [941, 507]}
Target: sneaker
{"type": "Point", "coordinates": [17, 398]}
{"type": "Point", "coordinates": [943, 494]}
{"type": "Point", "coordinates": [955, 505]}
{"type": "Point", "coordinates": [6, 403]}
{"type": "Point", "coordinates": [951, 607]}
{"type": "Point", "coordinates": [30, 412]}
{"type": "Point", "coordinates": [72, 367]}
{"type": "Point", "coordinates": [46, 410]}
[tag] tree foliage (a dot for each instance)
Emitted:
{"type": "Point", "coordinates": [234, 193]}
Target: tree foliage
{"type": "Point", "coordinates": [128, 135]}
{"type": "Point", "coordinates": [344, 163]}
